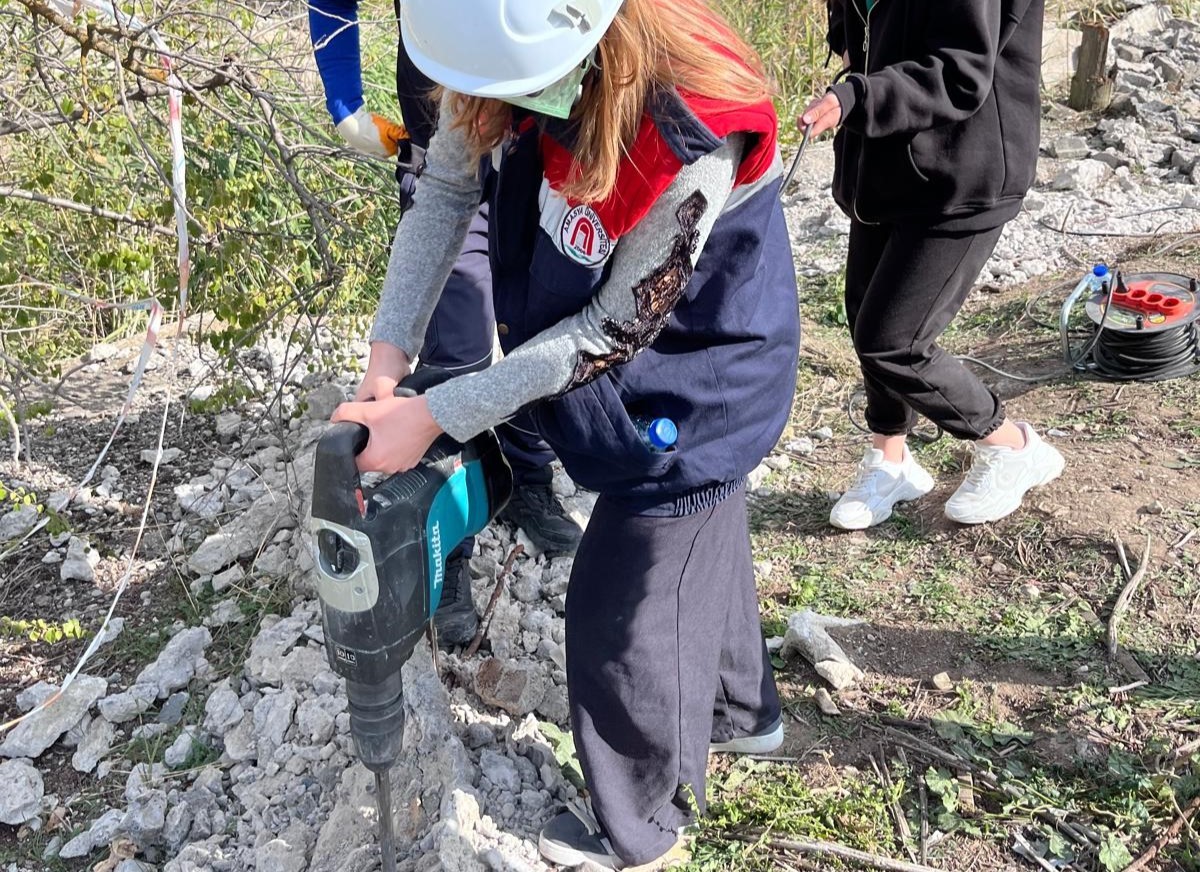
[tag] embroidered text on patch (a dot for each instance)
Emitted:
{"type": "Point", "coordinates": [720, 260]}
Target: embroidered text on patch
{"type": "Point", "coordinates": [655, 296]}
{"type": "Point", "coordinates": [583, 237]}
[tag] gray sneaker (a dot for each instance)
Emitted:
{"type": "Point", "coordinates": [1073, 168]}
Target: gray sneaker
{"type": "Point", "coordinates": [570, 841]}
{"type": "Point", "coordinates": [763, 742]}
{"type": "Point", "coordinates": [575, 838]}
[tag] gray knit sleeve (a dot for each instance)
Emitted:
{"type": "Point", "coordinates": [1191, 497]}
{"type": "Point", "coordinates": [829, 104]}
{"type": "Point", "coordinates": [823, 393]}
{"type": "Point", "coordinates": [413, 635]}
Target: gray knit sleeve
{"type": "Point", "coordinates": [651, 267]}
{"type": "Point", "coordinates": [428, 239]}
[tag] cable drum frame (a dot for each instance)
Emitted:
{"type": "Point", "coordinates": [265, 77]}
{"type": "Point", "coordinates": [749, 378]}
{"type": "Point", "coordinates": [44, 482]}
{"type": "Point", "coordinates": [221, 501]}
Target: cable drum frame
{"type": "Point", "coordinates": [1181, 334]}
{"type": "Point", "coordinates": [1130, 346]}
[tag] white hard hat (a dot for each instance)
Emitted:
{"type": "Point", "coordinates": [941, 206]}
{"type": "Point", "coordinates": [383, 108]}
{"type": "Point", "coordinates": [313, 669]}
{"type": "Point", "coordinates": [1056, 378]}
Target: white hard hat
{"type": "Point", "coordinates": [502, 48]}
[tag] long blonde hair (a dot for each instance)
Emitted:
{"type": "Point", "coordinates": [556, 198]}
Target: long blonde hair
{"type": "Point", "coordinates": [671, 43]}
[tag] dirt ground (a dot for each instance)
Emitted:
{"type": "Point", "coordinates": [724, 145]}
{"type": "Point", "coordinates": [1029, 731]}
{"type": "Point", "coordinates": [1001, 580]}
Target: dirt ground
{"type": "Point", "coordinates": [1015, 613]}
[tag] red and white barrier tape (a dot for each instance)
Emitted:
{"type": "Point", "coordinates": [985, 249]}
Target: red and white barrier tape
{"type": "Point", "coordinates": [179, 200]}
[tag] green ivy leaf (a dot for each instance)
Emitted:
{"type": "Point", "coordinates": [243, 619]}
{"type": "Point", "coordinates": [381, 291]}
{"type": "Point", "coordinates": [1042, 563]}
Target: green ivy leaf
{"type": "Point", "coordinates": [945, 786]}
{"type": "Point", "coordinates": [1114, 856]}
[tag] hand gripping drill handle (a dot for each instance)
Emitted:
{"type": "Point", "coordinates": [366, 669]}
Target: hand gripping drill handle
{"type": "Point", "coordinates": [380, 560]}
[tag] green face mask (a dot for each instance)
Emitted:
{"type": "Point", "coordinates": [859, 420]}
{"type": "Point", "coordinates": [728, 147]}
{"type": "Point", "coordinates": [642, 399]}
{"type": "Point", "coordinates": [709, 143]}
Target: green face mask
{"type": "Point", "coordinates": [559, 99]}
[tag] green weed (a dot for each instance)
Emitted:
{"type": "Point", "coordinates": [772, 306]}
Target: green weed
{"type": "Point", "coordinates": [40, 630]}
{"type": "Point", "coordinates": [1043, 635]}
{"type": "Point", "coordinates": [759, 796]}
{"type": "Point", "coordinates": [790, 36]}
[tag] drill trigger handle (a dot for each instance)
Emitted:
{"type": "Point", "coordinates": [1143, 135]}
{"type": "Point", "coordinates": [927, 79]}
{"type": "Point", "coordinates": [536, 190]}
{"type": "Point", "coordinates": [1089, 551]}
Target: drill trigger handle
{"type": "Point", "coordinates": [336, 486]}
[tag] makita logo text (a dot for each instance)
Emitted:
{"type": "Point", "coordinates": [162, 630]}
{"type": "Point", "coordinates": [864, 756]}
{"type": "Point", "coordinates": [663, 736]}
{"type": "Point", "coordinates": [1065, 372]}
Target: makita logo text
{"type": "Point", "coordinates": [435, 542]}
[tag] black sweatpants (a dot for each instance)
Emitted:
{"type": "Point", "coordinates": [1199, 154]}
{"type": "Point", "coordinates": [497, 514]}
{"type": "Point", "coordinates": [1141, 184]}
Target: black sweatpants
{"type": "Point", "coordinates": [904, 285]}
{"type": "Point", "coordinates": [664, 654]}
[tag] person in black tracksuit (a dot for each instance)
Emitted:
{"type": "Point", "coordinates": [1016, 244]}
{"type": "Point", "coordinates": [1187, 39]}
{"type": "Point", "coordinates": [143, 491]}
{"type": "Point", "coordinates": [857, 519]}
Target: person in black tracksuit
{"type": "Point", "coordinates": [938, 116]}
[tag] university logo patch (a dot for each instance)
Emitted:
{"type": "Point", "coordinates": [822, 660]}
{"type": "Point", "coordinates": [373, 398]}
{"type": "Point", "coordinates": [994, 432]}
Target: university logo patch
{"type": "Point", "coordinates": [583, 238]}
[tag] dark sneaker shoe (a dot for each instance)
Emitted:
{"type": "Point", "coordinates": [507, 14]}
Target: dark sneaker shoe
{"type": "Point", "coordinates": [536, 510]}
{"type": "Point", "coordinates": [764, 742]}
{"type": "Point", "coordinates": [455, 618]}
{"type": "Point", "coordinates": [574, 838]}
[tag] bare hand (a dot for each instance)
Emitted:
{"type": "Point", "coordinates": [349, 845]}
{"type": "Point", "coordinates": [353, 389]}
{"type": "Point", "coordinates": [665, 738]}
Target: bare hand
{"type": "Point", "coordinates": [823, 114]}
{"type": "Point", "coordinates": [387, 367]}
{"type": "Point", "coordinates": [402, 429]}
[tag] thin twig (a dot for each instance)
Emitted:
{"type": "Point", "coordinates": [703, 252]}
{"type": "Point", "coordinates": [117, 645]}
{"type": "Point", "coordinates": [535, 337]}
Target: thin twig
{"type": "Point", "coordinates": [833, 849]}
{"type": "Point", "coordinates": [924, 803]}
{"type": "Point", "coordinates": [1127, 594]}
{"type": "Point", "coordinates": [16, 431]}
{"type": "Point", "coordinates": [1122, 558]}
{"type": "Point", "coordinates": [1125, 688]}
{"type": "Point", "coordinates": [1184, 750]}
{"type": "Point", "coordinates": [486, 623]}
{"type": "Point", "coordinates": [85, 208]}
{"type": "Point", "coordinates": [1168, 834]}
{"type": "Point", "coordinates": [1078, 834]}
{"type": "Point", "coordinates": [1187, 537]}
{"type": "Point", "coordinates": [902, 828]}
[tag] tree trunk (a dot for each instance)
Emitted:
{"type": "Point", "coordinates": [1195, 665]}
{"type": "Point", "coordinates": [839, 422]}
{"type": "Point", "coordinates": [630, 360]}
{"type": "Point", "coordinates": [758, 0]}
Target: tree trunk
{"type": "Point", "coordinates": [1092, 86]}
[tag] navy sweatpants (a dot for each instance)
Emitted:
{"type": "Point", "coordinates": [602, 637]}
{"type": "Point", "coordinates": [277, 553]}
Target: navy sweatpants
{"type": "Point", "coordinates": [459, 338]}
{"type": "Point", "coordinates": [664, 654]}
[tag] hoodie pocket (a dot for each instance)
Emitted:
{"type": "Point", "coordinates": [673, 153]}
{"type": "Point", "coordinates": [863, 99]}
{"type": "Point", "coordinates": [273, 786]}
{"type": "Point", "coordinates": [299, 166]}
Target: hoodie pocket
{"type": "Point", "coordinates": [963, 163]}
{"type": "Point", "coordinates": [913, 163]}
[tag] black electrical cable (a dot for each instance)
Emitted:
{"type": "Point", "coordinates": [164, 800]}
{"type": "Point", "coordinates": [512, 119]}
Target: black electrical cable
{"type": "Point", "coordinates": [1140, 355]}
{"type": "Point", "coordinates": [1134, 355]}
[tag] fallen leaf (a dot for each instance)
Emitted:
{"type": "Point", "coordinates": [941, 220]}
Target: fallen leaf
{"type": "Point", "coordinates": [118, 850]}
{"type": "Point", "coordinates": [57, 819]}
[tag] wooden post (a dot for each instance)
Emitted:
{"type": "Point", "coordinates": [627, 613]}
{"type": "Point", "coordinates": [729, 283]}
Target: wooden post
{"type": "Point", "coordinates": [1092, 85]}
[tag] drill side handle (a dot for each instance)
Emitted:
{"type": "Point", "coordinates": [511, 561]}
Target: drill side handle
{"type": "Point", "coordinates": [336, 484]}
{"type": "Point", "coordinates": [422, 379]}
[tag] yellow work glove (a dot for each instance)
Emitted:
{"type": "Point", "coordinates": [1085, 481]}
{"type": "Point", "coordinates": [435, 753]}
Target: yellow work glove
{"type": "Point", "coordinates": [371, 134]}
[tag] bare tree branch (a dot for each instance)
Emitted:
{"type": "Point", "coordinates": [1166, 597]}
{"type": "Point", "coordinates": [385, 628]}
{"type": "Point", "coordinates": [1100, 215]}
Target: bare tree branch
{"type": "Point", "coordinates": [96, 211]}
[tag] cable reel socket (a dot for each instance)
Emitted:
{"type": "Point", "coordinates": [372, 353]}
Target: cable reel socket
{"type": "Point", "coordinates": [1146, 328]}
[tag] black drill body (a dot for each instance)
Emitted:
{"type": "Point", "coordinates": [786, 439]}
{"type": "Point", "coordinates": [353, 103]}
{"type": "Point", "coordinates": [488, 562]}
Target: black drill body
{"type": "Point", "coordinates": [380, 556]}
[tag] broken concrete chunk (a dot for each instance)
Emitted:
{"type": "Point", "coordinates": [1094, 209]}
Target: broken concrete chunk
{"type": "Point", "coordinates": [97, 739]}
{"type": "Point", "coordinates": [42, 729]}
{"type": "Point", "coordinates": [178, 661]}
{"type": "Point", "coordinates": [825, 703]}
{"type": "Point", "coordinates": [21, 797]}
{"type": "Point", "coordinates": [516, 687]}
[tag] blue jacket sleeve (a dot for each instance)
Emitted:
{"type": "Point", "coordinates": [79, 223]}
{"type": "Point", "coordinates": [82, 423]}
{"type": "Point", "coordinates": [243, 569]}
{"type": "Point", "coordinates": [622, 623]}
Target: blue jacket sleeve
{"type": "Point", "coordinates": [333, 27]}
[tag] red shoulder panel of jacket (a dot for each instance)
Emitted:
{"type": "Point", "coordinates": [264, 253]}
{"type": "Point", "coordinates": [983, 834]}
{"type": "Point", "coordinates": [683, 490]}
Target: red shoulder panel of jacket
{"type": "Point", "coordinates": [693, 126]}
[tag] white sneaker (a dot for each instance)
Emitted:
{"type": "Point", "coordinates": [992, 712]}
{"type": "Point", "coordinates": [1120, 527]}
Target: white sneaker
{"type": "Point", "coordinates": [1000, 477]}
{"type": "Point", "coordinates": [878, 487]}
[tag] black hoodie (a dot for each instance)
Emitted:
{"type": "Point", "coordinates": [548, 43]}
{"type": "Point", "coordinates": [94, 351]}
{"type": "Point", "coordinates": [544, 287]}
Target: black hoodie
{"type": "Point", "coordinates": [942, 128]}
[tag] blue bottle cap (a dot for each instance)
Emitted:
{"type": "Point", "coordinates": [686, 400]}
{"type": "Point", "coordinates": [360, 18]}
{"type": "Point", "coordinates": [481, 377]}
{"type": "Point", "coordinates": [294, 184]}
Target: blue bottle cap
{"type": "Point", "coordinates": [662, 433]}
{"type": "Point", "coordinates": [1100, 270]}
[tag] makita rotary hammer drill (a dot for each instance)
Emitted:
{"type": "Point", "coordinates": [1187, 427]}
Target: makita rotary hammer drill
{"type": "Point", "coordinates": [380, 556]}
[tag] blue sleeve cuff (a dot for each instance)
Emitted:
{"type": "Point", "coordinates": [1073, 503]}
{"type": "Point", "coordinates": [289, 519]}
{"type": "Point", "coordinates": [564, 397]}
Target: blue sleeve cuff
{"type": "Point", "coordinates": [333, 28]}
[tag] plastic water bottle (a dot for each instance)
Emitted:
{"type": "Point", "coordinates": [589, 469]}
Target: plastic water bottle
{"type": "Point", "coordinates": [658, 434]}
{"type": "Point", "coordinates": [1093, 282]}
